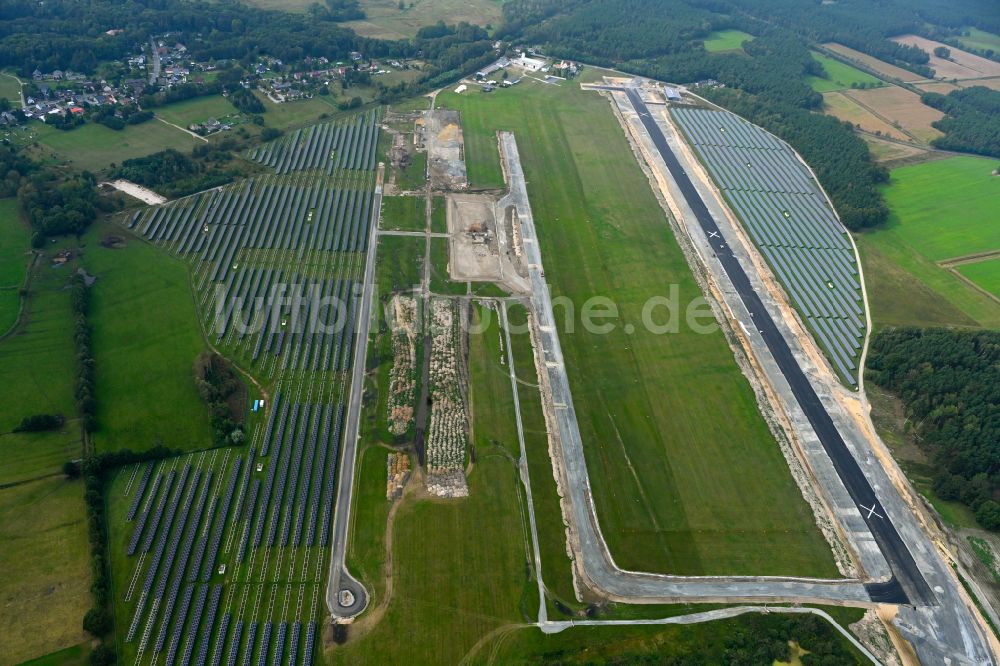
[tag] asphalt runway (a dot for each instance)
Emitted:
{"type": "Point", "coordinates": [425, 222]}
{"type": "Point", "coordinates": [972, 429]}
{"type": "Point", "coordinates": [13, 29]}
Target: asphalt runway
{"type": "Point", "coordinates": [907, 584]}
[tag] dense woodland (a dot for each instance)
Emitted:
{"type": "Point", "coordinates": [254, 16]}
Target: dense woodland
{"type": "Point", "coordinates": [174, 174]}
{"type": "Point", "coordinates": [764, 84]}
{"type": "Point", "coordinates": [949, 382]}
{"type": "Point", "coordinates": [972, 120]}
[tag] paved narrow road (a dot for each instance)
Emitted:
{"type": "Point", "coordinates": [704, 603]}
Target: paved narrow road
{"type": "Point", "coordinates": [345, 596]}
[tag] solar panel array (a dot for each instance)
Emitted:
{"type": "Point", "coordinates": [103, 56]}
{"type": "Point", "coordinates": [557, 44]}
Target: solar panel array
{"type": "Point", "coordinates": [791, 222]}
{"type": "Point", "coordinates": [277, 257]}
{"type": "Point", "coordinates": [227, 550]}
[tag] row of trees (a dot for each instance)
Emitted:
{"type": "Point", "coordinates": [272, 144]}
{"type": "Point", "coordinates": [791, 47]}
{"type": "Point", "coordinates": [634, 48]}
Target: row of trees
{"type": "Point", "coordinates": [949, 382]}
{"type": "Point", "coordinates": [98, 620]}
{"type": "Point", "coordinates": [117, 118]}
{"type": "Point", "coordinates": [971, 122]}
{"type": "Point", "coordinates": [83, 390]}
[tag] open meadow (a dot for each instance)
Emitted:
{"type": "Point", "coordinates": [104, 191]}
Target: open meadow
{"type": "Point", "coordinates": [602, 232]}
{"type": "Point", "coordinates": [146, 338]}
{"type": "Point", "coordinates": [94, 147]}
{"type": "Point", "coordinates": [985, 274]}
{"type": "Point", "coordinates": [45, 556]}
{"type": "Point", "coordinates": [980, 39]}
{"type": "Point", "coordinates": [940, 210]}
{"type": "Point", "coordinates": [403, 214]}
{"type": "Point", "coordinates": [196, 110]}
{"type": "Point", "coordinates": [43, 531]}
{"type": "Point", "coordinates": [726, 40]}
{"type": "Point", "coordinates": [442, 613]}
{"type": "Point", "coordinates": [884, 151]}
{"type": "Point", "coordinates": [839, 75]}
{"type": "Point", "coordinates": [389, 19]}
{"type": "Point", "coordinates": [15, 254]}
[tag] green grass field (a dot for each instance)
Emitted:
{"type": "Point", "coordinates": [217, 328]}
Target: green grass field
{"type": "Point", "coordinates": [37, 359]}
{"type": "Point", "coordinates": [939, 210]}
{"type": "Point", "coordinates": [385, 20]}
{"type": "Point", "coordinates": [45, 554]}
{"type": "Point", "coordinates": [726, 40]}
{"type": "Point", "coordinates": [10, 88]}
{"type": "Point", "coordinates": [986, 274]}
{"type": "Point", "coordinates": [439, 217]}
{"type": "Point", "coordinates": [43, 535]}
{"type": "Point", "coordinates": [440, 282]}
{"type": "Point", "coordinates": [414, 176]}
{"type": "Point", "coordinates": [839, 75]}
{"type": "Point", "coordinates": [403, 214]}
{"type": "Point", "coordinates": [145, 337]}
{"type": "Point", "coordinates": [196, 110]}
{"type": "Point", "coordinates": [295, 114]}
{"type": "Point", "coordinates": [556, 565]}
{"type": "Point", "coordinates": [980, 39]}
{"type": "Point", "coordinates": [399, 260]}
{"type": "Point", "coordinates": [662, 507]}
{"type": "Point", "coordinates": [15, 254]}
{"type": "Point", "coordinates": [94, 147]}
{"type": "Point", "coordinates": [946, 208]}
{"type": "Point", "coordinates": [432, 617]}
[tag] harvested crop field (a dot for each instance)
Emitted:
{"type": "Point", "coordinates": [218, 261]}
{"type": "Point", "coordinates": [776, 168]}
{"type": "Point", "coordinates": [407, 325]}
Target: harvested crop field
{"type": "Point", "coordinates": [840, 106]}
{"type": "Point", "coordinates": [992, 84]}
{"type": "Point", "coordinates": [938, 87]}
{"type": "Point", "coordinates": [882, 67]}
{"type": "Point", "coordinates": [900, 107]}
{"type": "Point", "coordinates": [962, 65]}
{"type": "Point", "coordinates": [885, 151]}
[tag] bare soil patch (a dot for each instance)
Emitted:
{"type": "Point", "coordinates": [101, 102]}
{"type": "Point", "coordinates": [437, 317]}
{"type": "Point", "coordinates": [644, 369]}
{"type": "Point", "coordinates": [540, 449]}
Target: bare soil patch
{"type": "Point", "coordinates": [473, 251]}
{"type": "Point", "coordinates": [961, 65]}
{"type": "Point", "coordinates": [442, 134]}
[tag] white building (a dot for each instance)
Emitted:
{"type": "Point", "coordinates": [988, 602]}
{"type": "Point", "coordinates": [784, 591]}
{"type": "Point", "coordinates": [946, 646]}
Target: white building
{"type": "Point", "coordinates": [529, 64]}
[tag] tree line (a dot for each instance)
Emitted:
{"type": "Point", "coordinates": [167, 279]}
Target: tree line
{"type": "Point", "coordinates": [83, 389]}
{"type": "Point", "coordinates": [98, 620]}
{"type": "Point", "coordinates": [949, 383]}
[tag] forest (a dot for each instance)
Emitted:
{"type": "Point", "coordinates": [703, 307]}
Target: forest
{"type": "Point", "coordinates": [971, 122]}
{"type": "Point", "coordinates": [764, 83]}
{"type": "Point", "coordinates": [174, 174]}
{"type": "Point", "coordinates": [949, 383]}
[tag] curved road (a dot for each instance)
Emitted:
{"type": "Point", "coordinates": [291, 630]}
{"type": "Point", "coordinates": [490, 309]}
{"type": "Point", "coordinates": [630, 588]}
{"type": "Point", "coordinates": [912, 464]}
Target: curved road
{"type": "Point", "coordinates": [346, 597]}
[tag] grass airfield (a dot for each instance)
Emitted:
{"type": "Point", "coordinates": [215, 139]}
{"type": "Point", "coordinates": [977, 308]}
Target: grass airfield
{"type": "Point", "coordinates": [731, 509]}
